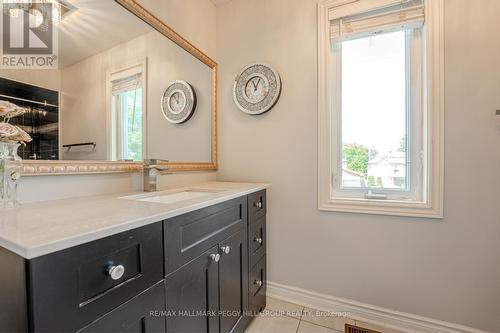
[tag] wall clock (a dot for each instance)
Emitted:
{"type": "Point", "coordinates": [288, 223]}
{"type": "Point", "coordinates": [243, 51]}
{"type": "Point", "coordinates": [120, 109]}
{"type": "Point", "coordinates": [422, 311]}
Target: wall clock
{"type": "Point", "coordinates": [178, 102]}
{"type": "Point", "coordinates": [257, 88]}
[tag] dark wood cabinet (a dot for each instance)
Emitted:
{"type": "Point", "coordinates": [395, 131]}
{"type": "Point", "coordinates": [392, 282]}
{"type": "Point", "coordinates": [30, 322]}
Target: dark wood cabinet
{"type": "Point", "coordinates": [193, 295]}
{"type": "Point", "coordinates": [208, 293]}
{"type": "Point", "coordinates": [200, 272]}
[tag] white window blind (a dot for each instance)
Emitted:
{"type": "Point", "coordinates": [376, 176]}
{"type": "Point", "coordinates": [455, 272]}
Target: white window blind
{"type": "Point", "coordinates": [399, 15]}
{"type": "Point", "coordinates": [126, 84]}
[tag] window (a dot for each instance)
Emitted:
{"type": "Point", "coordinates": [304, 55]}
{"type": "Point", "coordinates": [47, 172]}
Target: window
{"type": "Point", "coordinates": [127, 139]}
{"type": "Point", "coordinates": [127, 103]}
{"type": "Point", "coordinates": [379, 141]}
{"type": "Point", "coordinates": [380, 133]}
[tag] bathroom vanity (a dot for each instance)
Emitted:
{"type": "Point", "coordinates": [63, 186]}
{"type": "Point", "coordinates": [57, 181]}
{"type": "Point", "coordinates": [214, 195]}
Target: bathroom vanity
{"type": "Point", "coordinates": [183, 260]}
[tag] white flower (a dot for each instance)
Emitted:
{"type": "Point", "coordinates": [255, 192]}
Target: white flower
{"type": "Point", "coordinates": [16, 112]}
{"type": "Point", "coordinates": [10, 132]}
{"type": "Point", "coordinates": [11, 110]}
{"type": "Point", "coordinates": [22, 136]}
{"type": "Point", "coordinates": [5, 107]}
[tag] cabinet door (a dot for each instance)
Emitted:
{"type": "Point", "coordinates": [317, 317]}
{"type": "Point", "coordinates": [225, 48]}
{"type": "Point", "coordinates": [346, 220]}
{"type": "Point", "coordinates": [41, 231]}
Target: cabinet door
{"type": "Point", "coordinates": [233, 279]}
{"type": "Point", "coordinates": [192, 295]}
{"type": "Point", "coordinates": [142, 314]}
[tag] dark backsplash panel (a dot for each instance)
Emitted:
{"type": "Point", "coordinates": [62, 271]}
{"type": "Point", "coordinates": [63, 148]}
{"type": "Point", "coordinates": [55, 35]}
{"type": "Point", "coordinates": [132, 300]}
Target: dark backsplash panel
{"type": "Point", "coordinates": [42, 122]}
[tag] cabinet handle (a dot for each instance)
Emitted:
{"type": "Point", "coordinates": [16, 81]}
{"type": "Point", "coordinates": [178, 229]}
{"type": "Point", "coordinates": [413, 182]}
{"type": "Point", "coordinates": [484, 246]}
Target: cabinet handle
{"type": "Point", "coordinates": [215, 257]}
{"type": "Point", "coordinates": [116, 272]}
{"type": "Point", "coordinates": [258, 283]}
{"type": "Point", "coordinates": [258, 204]}
{"type": "Point", "coordinates": [258, 240]}
{"type": "Point", "coordinates": [225, 249]}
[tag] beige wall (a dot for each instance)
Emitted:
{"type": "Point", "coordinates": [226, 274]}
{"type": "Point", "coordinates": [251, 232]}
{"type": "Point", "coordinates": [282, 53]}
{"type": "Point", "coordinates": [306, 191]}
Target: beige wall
{"type": "Point", "coordinates": [196, 21]}
{"type": "Point", "coordinates": [83, 108]}
{"type": "Point", "coordinates": [32, 189]}
{"type": "Point", "coordinates": [445, 269]}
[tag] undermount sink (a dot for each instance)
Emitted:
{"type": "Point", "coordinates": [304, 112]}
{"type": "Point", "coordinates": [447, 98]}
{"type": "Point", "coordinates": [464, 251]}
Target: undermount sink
{"type": "Point", "coordinates": [172, 197]}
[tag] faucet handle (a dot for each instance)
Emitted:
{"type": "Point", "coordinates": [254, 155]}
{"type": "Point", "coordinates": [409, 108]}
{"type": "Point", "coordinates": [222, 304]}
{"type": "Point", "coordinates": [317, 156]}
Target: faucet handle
{"type": "Point", "coordinates": [151, 169]}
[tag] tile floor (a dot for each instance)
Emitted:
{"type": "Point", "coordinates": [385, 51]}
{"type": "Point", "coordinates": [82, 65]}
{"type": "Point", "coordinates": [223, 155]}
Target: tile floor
{"type": "Point", "coordinates": [284, 317]}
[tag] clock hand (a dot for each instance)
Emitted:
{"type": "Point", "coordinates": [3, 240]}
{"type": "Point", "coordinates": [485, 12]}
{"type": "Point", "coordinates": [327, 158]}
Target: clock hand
{"type": "Point", "coordinates": [255, 85]}
{"type": "Point", "coordinates": [176, 97]}
{"type": "Point", "coordinates": [258, 82]}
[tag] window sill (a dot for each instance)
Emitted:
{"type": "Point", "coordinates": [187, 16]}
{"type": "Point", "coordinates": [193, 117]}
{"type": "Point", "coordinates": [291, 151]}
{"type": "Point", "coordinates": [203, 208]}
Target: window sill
{"type": "Point", "coordinates": [382, 207]}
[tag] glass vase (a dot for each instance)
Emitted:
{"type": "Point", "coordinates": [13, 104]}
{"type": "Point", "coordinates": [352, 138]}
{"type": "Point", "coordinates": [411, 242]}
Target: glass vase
{"type": "Point", "coordinates": [10, 171]}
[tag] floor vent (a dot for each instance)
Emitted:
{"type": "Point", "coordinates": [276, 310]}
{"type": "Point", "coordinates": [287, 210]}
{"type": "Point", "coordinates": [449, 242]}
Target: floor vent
{"type": "Point", "coordinates": [355, 329]}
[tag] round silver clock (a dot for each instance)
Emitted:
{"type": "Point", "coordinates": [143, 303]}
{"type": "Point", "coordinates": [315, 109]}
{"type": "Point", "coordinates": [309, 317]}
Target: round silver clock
{"type": "Point", "coordinates": [178, 102]}
{"type": "Point", "coordinates": [257, 88]}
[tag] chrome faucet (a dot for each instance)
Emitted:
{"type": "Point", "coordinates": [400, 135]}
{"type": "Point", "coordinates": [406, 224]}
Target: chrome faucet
{"type": "Point", "coordinates": [152, 169]}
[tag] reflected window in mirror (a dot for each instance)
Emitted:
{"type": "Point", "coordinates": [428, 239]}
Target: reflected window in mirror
{"type": "Point", "coordinates": [128, 114]}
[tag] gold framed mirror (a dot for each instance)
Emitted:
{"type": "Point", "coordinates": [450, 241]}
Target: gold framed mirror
{"type": "Point", "coordinates": [155, 138]}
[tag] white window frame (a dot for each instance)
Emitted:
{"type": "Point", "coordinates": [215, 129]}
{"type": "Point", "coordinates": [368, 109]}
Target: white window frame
{"type": "Point", "coordinates": [430, 203]}
{"type": "Point", "coordinates": [123, 71]}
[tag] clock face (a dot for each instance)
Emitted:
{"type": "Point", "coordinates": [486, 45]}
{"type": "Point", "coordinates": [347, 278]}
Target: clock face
{"type": "Point", "coordinates": [256, 89]}
{"type": "Point", "coordinates": [178, 102]}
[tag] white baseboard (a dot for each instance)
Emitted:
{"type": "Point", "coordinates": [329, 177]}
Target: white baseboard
{"type": "Point", "coordinates": [365, 312]}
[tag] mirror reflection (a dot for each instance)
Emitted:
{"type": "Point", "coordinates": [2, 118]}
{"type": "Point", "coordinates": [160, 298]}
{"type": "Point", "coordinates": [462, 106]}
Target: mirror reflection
{"type": "Point", "coordinates": [122, 91]}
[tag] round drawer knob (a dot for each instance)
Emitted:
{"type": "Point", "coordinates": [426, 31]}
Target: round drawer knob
{"type": "Point", "coordinates": [116, 272]}
{"type": "Point", "coordinates": [258, 204]}
{"type": "Point", "coordinates": [258, 283]}
{"type": "Point", "coordinates": [215, 257]}
{"type": "Point", "coordinates": [225, 249]}
{"type": "Point", "coordinates": [258, 240]}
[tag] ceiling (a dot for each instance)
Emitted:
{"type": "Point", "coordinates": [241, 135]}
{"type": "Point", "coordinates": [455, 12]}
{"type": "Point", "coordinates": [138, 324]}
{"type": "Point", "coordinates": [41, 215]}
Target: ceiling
{"type": "Point", "coordinates": [94, 27]}
{"type": "Point", "coordinates": [219, 2]}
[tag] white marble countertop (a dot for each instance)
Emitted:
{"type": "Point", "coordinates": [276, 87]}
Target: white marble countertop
{"type": "Point", "coordinates": [36, 229]}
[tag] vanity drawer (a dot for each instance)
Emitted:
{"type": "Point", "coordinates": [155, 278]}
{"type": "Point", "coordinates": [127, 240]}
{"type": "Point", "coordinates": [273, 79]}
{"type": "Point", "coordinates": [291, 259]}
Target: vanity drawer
{"type": "Point", "coordinates": [73, 287]}
{"type": "Point", "coordinates": [256, 205]}
{"type": "Point", "coordinates": [134, 315]}
{"type": "Point", "coordinates": [188, 236]}
{"type": "Point", "coordinates": [256, 240]}
{"type": "Point", "coordinates": [257, 287]}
